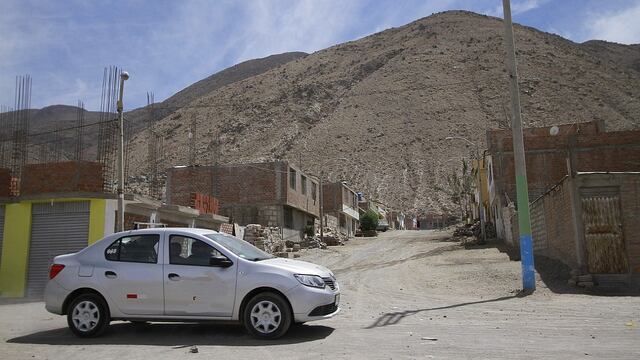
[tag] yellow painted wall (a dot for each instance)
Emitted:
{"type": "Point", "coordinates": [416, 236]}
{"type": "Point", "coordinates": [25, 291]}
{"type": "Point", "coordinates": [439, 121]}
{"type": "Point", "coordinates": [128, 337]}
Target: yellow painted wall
{"type": "Point", "coordinates": [17, 238]}
{"type": "Point", "coordinates": [97, 219]}
{"type": "Point", "coordinates": [15, 252]}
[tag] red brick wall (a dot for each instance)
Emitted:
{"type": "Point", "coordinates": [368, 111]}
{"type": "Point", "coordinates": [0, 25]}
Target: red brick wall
{"type": "Point", "coordinates": [249, 184]}
{"type": "Point", "coordinates": [546, 157]}
{"type": "Point", "coordinates": [553, 226]}
{"type": "Point", "coordinates": [237, 186]}
{"type": "Point", "coordinates": [332, 197]}
{"type": "Point", "coordinates": [130, 219]}
{"type": "Point", "coordinates": [5, 182]}
{"type": "Point", "coordinates": [68, 176]}
{"type": "Point", "coordinates": [182, 182]}
{"type": "Point", "coordinates": [500, 136]}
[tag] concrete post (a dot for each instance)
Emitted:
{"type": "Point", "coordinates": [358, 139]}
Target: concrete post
{"type": "Point", "coordinates": [524, 220]}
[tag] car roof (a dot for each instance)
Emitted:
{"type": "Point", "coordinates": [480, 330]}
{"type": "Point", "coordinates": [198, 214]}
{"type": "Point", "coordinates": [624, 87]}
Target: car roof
{"type": "Point", "coordinates": [198, 231]}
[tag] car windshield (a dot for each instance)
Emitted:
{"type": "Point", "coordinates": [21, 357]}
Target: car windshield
{"type": "Point", "coordinates": [239, 247]}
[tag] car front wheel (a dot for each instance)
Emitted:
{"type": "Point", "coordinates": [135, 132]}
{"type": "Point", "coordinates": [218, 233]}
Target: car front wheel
{"type": "Point", "coordinates": [87, 315]}
{"type": "Point", "coordinates": [267, 316]}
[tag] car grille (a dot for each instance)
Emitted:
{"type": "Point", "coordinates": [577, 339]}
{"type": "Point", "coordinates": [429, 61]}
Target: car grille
{"type": "Point", "coordinates": [324, 310]}
{"type": "Point", "coordinates": [330, 283]}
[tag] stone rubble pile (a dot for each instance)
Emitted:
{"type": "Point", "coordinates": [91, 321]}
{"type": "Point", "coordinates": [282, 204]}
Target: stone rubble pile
{"type": "Point", "coordinates": [332, 237]}
{"type": "Point", "coordinates": [270, 240]}
{"type": "Point", "coordinates": [265, 238]}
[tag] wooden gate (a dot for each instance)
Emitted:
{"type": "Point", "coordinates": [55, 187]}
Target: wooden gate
{"type": "Point", "coordinates": [603, 233]}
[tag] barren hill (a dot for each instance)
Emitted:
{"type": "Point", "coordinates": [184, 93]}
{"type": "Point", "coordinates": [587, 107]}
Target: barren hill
{"type": "Point", "coordinates": [385, 103]}
{"type": "Point", "coordinates": [235, 73]}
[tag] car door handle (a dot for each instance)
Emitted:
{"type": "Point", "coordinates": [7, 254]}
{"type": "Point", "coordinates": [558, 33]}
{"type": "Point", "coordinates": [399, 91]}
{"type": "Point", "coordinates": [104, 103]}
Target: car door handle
{"type": "Point", "coordinates": [174, 277]}
{"type": "Point", "coordinates": [110, 274]}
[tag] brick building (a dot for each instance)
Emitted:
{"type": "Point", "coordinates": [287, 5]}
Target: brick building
{"type": "Point", "coordinates": [270, 194]}
{"type": "Point", "coordinates": [583, 147]}
{"type": "Point", "coordinates": [589, 222]}
{"type": "Point", "coordinates": [341, 202]}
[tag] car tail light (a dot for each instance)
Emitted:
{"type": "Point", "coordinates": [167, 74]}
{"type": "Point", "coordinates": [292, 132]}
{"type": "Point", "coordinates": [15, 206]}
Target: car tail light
{"type": "Point", "coordinates": [55, 270]}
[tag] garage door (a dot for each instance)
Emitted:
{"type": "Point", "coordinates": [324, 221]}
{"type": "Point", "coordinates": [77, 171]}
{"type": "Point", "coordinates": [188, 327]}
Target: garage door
{"type": "Point", "coordinates": [1, 230]}
{"type": "Point", "coordinates": [56, 229]}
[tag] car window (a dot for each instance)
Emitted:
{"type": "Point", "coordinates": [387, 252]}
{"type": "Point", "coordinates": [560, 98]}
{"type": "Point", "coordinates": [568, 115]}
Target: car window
{"type": "Point", "coordinates": [137, 248]}
{"type": "Point", "coordinates": [184, 250]}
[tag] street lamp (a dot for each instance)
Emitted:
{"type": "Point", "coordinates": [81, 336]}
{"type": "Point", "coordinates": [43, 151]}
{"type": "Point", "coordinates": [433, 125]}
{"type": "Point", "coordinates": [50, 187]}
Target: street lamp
{"type": "Point", "coordinates": [479, 181]}
{"type": "Point", "coordinates": [123, 77]}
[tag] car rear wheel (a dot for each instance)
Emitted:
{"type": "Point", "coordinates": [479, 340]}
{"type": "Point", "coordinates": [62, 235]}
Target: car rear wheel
{"type": "Point", "coordinates": [267, 316]}
{"type": "Point", "coordinates": [87, 315]}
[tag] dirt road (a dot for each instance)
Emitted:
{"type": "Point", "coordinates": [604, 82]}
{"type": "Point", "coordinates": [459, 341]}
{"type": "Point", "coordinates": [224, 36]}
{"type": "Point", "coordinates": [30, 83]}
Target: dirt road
{"type": "Point", "coordinates": [406, 294]}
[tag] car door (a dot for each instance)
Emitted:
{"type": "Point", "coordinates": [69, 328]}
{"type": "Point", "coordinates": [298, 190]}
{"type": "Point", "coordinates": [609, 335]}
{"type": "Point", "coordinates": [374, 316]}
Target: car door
{"type": "Point", "coordinates": [132, 274]}
{"type": "Point", "coordinates": [193, 287]}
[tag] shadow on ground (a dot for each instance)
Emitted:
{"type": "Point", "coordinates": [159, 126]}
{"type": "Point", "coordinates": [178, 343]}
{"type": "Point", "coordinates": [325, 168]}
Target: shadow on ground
{"type": "Point", "coordinates": [175, 335]}
{"type": "Point", "coordinates": [393, 318]}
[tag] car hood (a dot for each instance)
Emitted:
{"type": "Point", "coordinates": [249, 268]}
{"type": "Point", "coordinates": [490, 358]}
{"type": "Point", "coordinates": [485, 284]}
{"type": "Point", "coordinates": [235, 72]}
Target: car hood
{"type": "Point", "coordinates": [298, 267]}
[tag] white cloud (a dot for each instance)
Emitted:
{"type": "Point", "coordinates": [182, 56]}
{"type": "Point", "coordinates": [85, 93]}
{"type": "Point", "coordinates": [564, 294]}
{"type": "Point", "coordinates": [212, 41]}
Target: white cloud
{"type": "Point", "coordinates": [621, 27]}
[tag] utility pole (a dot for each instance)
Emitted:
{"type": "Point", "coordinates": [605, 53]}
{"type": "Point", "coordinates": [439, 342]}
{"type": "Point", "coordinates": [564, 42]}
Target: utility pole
{"type": "Point", "coordinates": [321, 209]}
{"type": "Point", "coordinates": [120, 160]}
{"type": "Point", "coordinates": [524, 221]}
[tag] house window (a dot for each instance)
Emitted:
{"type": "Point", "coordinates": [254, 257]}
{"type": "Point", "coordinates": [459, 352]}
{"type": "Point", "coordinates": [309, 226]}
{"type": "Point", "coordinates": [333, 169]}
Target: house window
{"type": "Point", "coordinates": [303, 184]}
{"type": "Point", "coordinates": [292, 178]}
{"type": "Point", "coordinates": [313, 191]}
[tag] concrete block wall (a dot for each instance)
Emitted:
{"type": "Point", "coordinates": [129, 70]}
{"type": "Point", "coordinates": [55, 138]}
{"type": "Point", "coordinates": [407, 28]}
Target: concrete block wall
{"type": "Point", "coordinates": [67, 176]}
{"type": "Point", "coordinates": [265, 215]}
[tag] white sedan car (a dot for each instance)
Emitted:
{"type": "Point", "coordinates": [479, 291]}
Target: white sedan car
{"type": "Point", "coordinates": [187, 275]}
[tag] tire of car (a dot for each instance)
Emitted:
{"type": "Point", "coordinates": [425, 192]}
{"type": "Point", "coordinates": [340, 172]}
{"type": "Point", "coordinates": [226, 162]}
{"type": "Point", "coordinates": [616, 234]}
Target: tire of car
{"type": "Point", "coordinates": [87, 315]}
{"type": "Point", "coordinates": [267, 316]}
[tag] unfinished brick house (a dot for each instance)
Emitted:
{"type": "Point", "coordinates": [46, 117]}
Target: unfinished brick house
{"type": "Point", "coordinates": [341, 202]}
{"type": "Point", "coordinates": [586, 147]}
{"type": "Point", "coordinates": [589, 222]}
{"type": "Point", "coordinates": [271, 194]}
{"type": "Point", "coordinates": [583, 186]}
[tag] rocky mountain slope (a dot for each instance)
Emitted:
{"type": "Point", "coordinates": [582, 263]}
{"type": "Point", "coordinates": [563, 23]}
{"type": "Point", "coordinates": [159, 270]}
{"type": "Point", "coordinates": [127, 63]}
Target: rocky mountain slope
{"type": "Point", "coordinates": [376, 111]}
{"type": "Point", "coordinates": [235, 73]}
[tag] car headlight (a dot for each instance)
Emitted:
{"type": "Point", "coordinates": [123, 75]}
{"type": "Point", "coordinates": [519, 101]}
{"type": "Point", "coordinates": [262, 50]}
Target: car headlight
{"type": "Point", "coordinates": [310, 280]}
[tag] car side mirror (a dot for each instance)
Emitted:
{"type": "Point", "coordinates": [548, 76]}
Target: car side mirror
{"type": "Point", "coordinates": [220, 261]}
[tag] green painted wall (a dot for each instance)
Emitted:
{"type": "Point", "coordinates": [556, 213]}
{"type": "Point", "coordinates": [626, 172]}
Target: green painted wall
{"type": "Point", "coordinates": [15, 253]}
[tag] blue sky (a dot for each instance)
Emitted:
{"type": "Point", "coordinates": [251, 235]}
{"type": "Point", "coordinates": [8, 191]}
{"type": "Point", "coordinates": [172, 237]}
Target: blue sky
{"type": "Point", "coordinates": [168, 45]}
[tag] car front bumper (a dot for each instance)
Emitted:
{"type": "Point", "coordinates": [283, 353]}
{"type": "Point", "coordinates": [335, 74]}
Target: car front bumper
{"type": "Point", "coordinates": [309, 304]}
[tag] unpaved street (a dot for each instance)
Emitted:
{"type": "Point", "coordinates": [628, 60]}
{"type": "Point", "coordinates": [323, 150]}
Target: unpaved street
{"type": "Point", "coordinates": [406, 294]}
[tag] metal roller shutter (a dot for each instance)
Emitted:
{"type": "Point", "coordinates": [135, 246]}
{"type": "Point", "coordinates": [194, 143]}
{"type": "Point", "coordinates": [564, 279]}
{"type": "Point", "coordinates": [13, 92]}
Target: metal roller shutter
{"type": "Point", "coordinates": [1, 230]}
{"type": "Point", "coordinates": [56, 229]}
